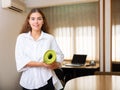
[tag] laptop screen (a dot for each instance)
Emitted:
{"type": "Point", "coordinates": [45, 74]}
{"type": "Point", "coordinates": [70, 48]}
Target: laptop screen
{"type": "Point", "coordinates": [79, 59]}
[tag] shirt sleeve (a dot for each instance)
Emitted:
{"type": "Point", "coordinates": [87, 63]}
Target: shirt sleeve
{"type": "Point", "coordinates": [54, 46]}
{"type": "Point", "coordinates": [20, 57]}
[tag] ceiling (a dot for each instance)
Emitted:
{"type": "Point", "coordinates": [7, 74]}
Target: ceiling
{"type": "Point", "coordinates": [48, 3]}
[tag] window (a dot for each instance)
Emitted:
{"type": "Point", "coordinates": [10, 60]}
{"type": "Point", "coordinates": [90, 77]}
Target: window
{"type": "Point", "coordinates": [116, 43]}
{"type": "Point", "coordinates": [81, 40]}
{"type": "Point", "coordinates": [116, 30]}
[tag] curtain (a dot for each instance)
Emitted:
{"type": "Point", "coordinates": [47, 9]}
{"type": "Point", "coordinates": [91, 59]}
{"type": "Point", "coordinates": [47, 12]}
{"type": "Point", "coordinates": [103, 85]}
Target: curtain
{"type": "Point", "coordinates": [116, 30]}
{"type": "Point", "coordinates": [76, 28]}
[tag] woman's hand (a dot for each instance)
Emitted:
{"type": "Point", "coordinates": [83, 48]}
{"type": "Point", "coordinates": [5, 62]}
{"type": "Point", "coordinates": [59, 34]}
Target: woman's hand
{"type": "Point", "coordinates": [54, 65]}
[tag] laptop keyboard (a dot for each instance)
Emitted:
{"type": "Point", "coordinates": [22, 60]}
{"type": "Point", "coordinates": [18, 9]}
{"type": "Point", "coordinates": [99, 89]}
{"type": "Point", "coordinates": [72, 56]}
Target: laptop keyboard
{"type": "Point", "coordinates": [70, 64]}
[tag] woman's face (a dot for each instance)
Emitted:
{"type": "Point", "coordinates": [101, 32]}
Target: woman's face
{"type": "Point", "coordinates": [36, 21]}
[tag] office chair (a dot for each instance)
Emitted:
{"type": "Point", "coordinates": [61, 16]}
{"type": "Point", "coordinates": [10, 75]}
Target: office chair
{"type": "Point", "coordinates": [60, 74]}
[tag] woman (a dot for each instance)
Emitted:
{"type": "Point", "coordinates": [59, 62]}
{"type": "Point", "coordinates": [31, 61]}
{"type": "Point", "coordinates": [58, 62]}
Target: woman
{"type": "Point", "coordinates": [31, 45]}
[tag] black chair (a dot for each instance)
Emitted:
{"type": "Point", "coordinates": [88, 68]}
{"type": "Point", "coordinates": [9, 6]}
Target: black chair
{"type": "Point", "coordinates": [60, 74]}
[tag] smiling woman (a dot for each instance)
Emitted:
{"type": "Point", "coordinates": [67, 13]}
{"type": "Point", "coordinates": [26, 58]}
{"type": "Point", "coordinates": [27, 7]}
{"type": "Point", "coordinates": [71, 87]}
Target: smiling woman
{"type": "Point", "coordinates": [31, 45]}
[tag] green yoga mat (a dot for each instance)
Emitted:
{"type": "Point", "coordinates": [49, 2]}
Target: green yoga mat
{"type": "Point", "coordinates": [49, 56]}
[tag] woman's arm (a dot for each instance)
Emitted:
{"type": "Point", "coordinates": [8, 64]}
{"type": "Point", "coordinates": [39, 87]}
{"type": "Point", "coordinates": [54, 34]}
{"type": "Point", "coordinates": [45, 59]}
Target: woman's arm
{"type": "Point", "coordinates": [54, 65]}
{"type": "Point", "coordinates": [34, 64]}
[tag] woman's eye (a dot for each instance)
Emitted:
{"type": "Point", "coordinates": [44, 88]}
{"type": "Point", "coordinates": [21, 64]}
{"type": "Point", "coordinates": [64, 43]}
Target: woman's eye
{"type": "Point", "coordinates": [40, 18]}
{"type": "Point", "coordinates": [32, 18]}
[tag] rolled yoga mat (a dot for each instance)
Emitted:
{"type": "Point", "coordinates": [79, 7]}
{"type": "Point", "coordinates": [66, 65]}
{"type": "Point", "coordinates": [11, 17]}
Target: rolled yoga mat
{"type": "Point", "coordinates": [49, 56]}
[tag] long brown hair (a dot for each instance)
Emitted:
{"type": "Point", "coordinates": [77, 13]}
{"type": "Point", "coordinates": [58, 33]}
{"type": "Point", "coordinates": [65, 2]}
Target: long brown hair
{"type": "Point", "coordinates": [26, 26]}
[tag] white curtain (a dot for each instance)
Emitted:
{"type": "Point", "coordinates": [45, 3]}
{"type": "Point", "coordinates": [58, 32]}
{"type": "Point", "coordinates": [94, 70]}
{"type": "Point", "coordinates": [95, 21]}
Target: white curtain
{"type": "Point", "coordinates": [115, 30]}
{"type": "Point", "coordinates": [75, 28]}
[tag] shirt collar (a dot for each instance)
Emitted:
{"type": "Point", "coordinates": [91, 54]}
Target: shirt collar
{"type": "Point", "coordinates": [41, 36]}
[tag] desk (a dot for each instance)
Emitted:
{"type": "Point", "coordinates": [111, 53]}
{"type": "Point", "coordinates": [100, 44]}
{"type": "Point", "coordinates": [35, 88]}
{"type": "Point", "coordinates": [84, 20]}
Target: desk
{"type": "Point", "coordinates": [71, 72]}
{"type": "Point", "coordinates": [95, 82]}
{"type": "Point", "coordinates": [87, 66]}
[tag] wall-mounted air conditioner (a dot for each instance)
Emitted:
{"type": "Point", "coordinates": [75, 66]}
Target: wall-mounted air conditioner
{"type": "Point", "coordinates": [15, 5]}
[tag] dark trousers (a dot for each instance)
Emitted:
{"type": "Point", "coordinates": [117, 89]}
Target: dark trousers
{"type": "Point", "coordinates": [49, 86]}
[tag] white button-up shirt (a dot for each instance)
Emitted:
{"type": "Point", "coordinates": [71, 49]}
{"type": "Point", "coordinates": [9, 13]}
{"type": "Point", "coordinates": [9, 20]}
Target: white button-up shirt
{"type": "Point", "coordinates": [27, 49]}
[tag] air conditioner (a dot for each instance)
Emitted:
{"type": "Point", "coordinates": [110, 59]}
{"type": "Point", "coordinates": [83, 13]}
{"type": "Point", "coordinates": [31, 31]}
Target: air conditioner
{"type": "Point", "coordinates": [15, 5]}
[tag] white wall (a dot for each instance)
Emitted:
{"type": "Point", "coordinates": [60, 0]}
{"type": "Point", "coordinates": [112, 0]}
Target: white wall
{"type": "Point", "coordinates": [10, 25]}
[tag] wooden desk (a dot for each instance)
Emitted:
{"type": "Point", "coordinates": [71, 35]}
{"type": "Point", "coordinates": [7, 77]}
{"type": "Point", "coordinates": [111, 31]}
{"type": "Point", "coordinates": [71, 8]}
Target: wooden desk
{"type": "Point", "coordinates": [94, 82]}
{"type": "Point", "coordinates": [71, 72]}
{"type": "Point", "coordinates": [87, 66]}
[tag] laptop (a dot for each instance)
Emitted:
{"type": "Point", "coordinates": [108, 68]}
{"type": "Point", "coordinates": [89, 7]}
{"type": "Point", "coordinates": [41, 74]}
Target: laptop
{"type": "Point", "coordinates": [78, 60]}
